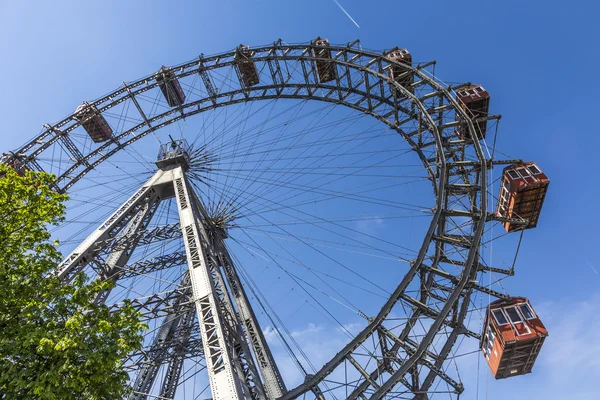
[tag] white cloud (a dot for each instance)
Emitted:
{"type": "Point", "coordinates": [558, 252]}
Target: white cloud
{"type": "Point", "coordinates": [572, 346]}
{"type": "Point", "coordinates": [369, 226]}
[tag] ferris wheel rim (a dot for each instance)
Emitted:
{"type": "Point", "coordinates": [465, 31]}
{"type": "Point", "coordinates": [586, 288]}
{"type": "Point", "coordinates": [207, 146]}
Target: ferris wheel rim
{"type": "Point", "coordinates": [438, 182]}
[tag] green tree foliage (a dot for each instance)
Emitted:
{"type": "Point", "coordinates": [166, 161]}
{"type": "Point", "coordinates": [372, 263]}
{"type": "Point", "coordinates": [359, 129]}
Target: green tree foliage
{"type": "Point", "coordinates": [55, 343]}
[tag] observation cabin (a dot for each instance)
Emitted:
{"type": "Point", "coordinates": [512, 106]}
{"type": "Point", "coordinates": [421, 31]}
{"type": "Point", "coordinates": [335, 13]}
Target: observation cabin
{"type": "Point", "coordinates": [173, 153]}
{"type": "Point", "coordinates": [246, 66]}
{"type": "Point", "coordinates": [512, 338]}
{"type": "Point", "coordinates": [93, 122]}
{"type": "Point", "coordinates": [170, 87]}
{"type": "Point", "coordinates": [475, 101]}
{"type": "Point", "coordinates": [403, 76]}
{"type": "Point", "coordinates": [325, 65]}
{"type": "Point", "coordinates": [522, 194]}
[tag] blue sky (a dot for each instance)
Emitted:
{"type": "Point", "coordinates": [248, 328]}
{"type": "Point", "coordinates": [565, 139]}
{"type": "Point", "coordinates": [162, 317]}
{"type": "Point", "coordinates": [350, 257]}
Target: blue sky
{"type": "Point", "coordinates": [537, 59]}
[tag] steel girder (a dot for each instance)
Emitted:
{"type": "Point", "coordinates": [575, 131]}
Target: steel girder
{"type": "Point", "coordinates": [158, 352]}
{"type": "Point", "coordinates": [107, 236]}
{"type": "Point", "coordinates": [156, 305]}
{"type": "Point", "coordinates": [181, 345]}
{"type": "Point", "coordinates": [153, 264]}
{"type": "Point", "coordinates": [117, 259]}
{"type": "Point", "coordinates": [193, 349]}
{"type": "Point", "coordinates": [152, 235]}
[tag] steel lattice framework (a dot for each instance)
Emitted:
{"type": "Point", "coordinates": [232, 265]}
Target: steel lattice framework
{"type": "Point", "coordinates": [444, 271]}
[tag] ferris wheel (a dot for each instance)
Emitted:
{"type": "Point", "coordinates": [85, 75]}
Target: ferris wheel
{"type": "Point", "coordinates": [299, 221]}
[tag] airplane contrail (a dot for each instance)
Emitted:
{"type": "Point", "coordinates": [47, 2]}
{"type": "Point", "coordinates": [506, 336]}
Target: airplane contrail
{"type": "Point", "coordinates": [592, 267]}
{"type": "Point", "coordinates": [346, 12]}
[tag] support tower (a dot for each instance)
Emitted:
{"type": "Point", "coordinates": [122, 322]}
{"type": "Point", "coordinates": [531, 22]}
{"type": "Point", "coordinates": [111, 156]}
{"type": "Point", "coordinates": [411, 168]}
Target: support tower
{"type": "Point", "coordinates": [238, 360]}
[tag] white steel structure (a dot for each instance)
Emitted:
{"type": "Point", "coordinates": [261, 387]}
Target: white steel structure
{"type": "Point", "coordinates": [228, 326]}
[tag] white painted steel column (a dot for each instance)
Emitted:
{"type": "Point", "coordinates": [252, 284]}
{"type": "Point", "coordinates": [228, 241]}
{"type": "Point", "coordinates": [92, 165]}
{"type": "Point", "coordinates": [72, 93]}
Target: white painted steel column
{"type": "Point", "coordinates": [224, 381]}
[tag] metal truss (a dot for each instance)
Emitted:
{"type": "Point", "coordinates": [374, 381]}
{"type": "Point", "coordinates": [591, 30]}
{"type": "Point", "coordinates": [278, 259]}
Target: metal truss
{"type": "Point", "coordinates": [119, 256]}
{"type": "Point", "coordinates": [159, 350]}
{"type": "Point", "coordinates": [186, 345]}
{"type": "Point", "coordinates": [444, 271]}
{"type": "Point", "coordinates": [153, 264]}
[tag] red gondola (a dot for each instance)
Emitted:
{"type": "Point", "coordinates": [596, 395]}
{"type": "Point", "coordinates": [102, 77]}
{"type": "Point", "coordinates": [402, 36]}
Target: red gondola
{"type": "Point", "coordinates": [403, 76]}
{"type": "Point", "coordinates": [325, 68]}
{"type": "Point", "coordinates": [522, 194]}
{"type": "Point", "coordinates": [512, 337]}
{"type": "Point", "coordinates": [170, 87]}
{"type": "Point", "coordinates": [93, 122]}
{"type": "Point", "coordinates": [475, 101]}
{"type": "Point", "coordinates": [246, 66]}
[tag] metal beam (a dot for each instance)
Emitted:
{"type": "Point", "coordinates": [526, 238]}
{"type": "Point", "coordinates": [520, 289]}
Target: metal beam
{"type": "Point", "coordinates": [148, 266]}
{"type": "Point", "coordinates": [149, 236]}
{"type": "Point", "coordinates": [182, 339]}
{"type": "Point", "coordinates": [155, 356]}
{"type": "Point", "coordinates": [113, 265]}
{"type": "Point", "coordinates": [88, 249]}
{"type": "Point", "coordinates": [273, 381]}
